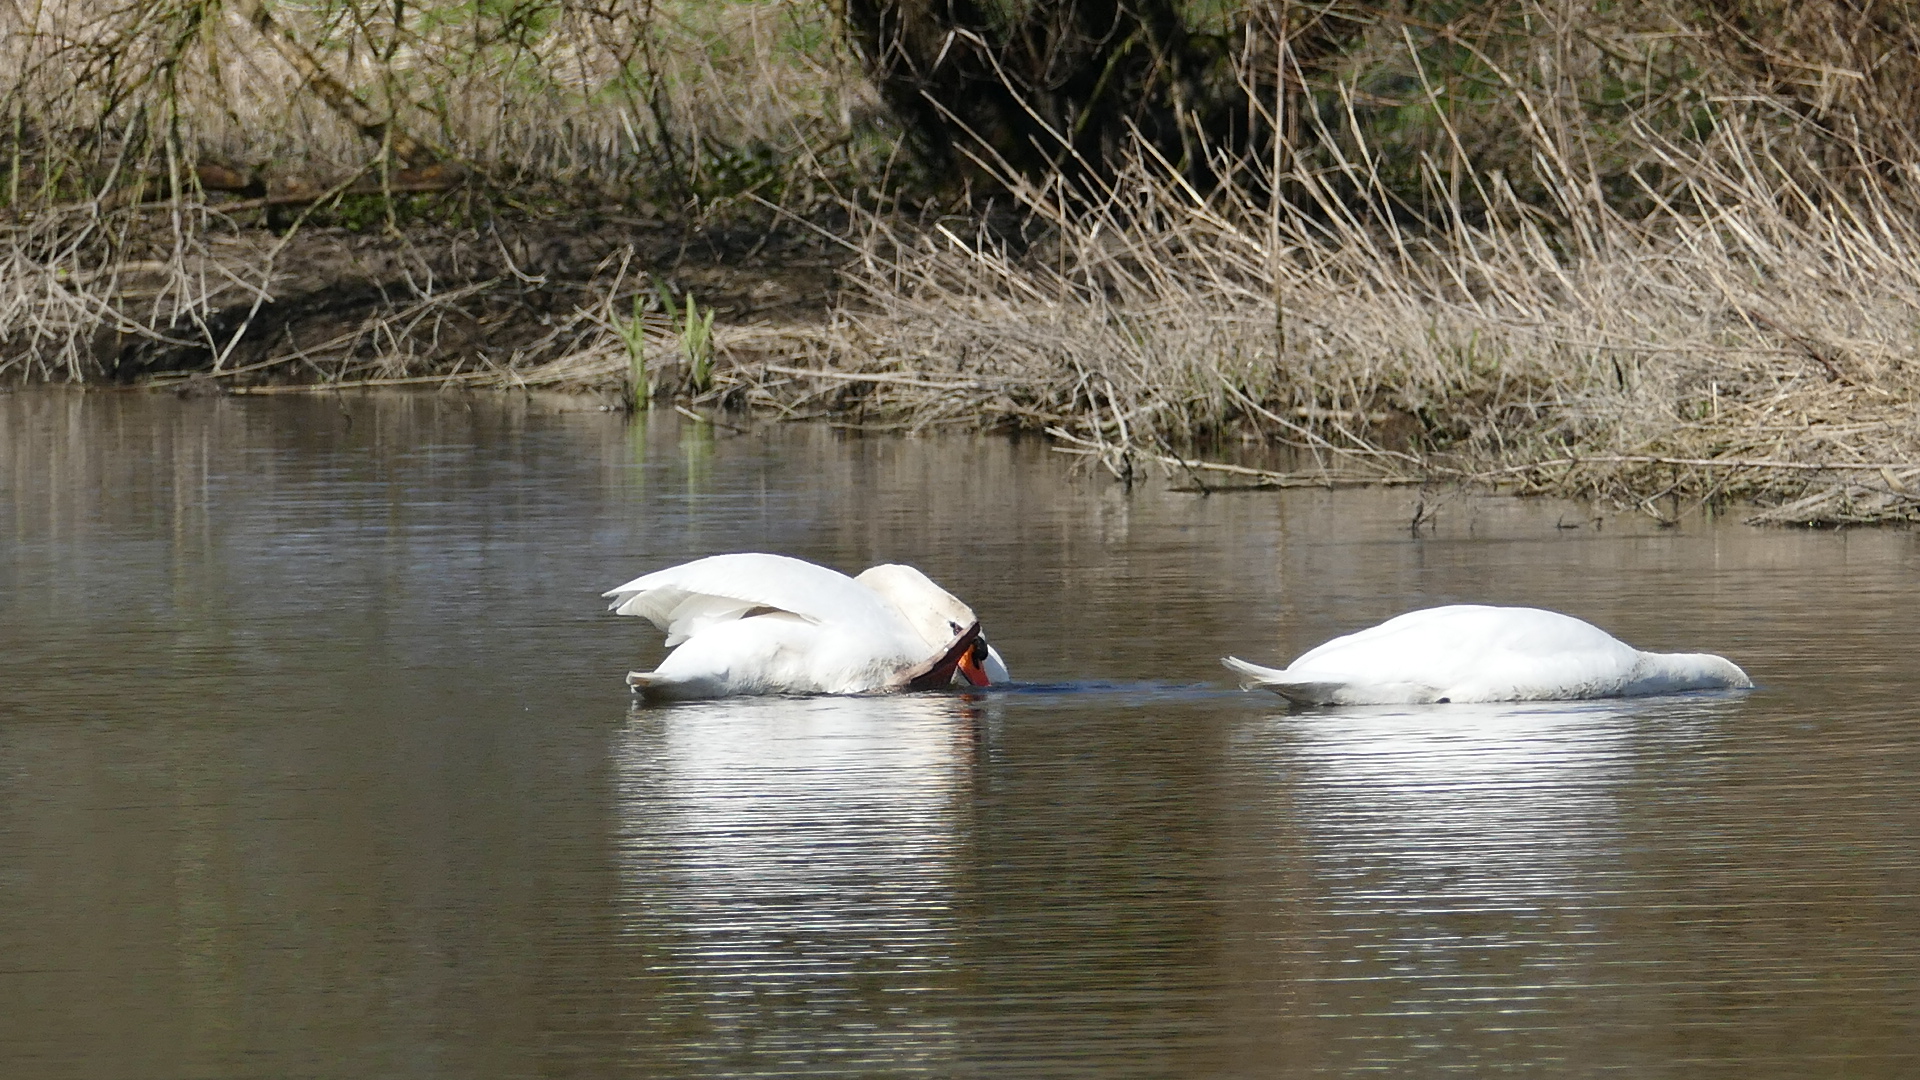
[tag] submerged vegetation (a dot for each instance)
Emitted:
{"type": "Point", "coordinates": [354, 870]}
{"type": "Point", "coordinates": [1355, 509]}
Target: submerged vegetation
{"type": "Point", "coordinates": [1646, 252]}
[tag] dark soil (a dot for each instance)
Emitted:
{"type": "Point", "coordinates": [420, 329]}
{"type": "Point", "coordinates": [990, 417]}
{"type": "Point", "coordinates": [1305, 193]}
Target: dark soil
{"type": "Point", "coordinates": [429, 301]}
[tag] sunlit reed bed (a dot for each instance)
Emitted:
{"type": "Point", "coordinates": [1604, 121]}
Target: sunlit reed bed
{"type": "Point", "coordinates": [1760, 348]}
{"type": "Point", "coordinates": [1747, 334]}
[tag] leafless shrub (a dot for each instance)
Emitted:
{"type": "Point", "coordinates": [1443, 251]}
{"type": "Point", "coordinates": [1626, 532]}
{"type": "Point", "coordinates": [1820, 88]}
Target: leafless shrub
{"type": "Point", "coordinates": [145, 140]}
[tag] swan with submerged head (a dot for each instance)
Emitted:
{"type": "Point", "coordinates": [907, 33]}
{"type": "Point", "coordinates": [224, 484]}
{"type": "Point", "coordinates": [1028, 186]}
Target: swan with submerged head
{"type": "Point", "coordinates": [751, 623]}
{"type": "Point", "coordinates": [1468, 652]}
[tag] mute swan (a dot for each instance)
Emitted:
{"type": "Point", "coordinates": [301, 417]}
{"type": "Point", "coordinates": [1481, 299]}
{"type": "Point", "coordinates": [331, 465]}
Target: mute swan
{"type": "Point", "coordinates": [1469, 652]}
{"type": "Point", "coordinates": [769, 624]}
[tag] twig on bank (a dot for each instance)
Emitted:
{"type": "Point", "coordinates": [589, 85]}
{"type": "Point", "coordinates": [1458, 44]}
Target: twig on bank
{"type": "Point", "coordinates": [343, 101]}
{"type": "Point", "coordinates": [468, 378]}
{"type": "Point", "coordinates": [1718, 463]}
{"type": "Point", "coordinates": [1266, 477]}
{"type": "Point", "coordinates": [904, 378]}
{"type": "Point", "coordinates": [702, 418]}
{"type": "Point", "coordinates": [1806, 345]}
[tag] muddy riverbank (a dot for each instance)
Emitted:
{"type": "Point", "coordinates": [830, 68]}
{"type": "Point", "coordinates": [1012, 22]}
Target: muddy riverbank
{"type": "Point", "coordinates": [513, 304]}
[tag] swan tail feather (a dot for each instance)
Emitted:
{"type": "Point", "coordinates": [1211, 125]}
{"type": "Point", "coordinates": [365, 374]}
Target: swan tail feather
{"type": "Point", "coordinates": [655, 686]}
{"type": "Point", "coordinates": [1251, 675]}
{"type": "Point", "coordinates": [1300, 690]}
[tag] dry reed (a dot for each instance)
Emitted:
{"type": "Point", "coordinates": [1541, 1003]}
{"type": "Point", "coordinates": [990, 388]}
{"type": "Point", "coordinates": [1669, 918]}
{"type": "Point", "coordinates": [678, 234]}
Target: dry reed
{"type": "Point", "coordinates": [1619, 300]}
{"type": "Point", "coordinates": [147, 141]}
{"type": "Point", "coordinates": [1747, 333]}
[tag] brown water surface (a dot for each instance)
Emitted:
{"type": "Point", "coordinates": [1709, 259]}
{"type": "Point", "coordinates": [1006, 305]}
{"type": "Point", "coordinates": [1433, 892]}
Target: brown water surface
{"type": "Point", "coordinates": [316, 761]}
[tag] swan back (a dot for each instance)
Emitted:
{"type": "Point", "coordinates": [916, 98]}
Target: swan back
{"type": "Point", "coordinates": [1471, 652]}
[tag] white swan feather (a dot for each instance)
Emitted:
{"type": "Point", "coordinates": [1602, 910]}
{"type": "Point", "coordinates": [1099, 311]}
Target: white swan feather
{"type": "Point", "coordinates": [1470, 652]}
{"type": "Point", "coordinates": [754, 623]}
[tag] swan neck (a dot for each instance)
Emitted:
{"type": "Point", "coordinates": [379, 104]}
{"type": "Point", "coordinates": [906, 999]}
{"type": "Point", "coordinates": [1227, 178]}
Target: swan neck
{"type": "Point", "coordinates": [1692, 671]}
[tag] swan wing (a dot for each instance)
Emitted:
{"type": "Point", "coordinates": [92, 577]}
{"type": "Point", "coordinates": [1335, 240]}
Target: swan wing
{"type": "Point", "coordinates": [686, 599]}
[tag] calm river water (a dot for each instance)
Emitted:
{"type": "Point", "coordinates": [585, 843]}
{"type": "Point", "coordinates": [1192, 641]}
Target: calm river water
{"type": "Point", "coordinates": [316, 761]}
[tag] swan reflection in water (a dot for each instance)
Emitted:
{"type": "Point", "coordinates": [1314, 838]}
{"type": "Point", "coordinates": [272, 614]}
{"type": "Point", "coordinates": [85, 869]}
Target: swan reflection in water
{"type": "Point", "coordinates": [787, 870]}
{"type": "Point", "coordinates": [1507, 800]}
{"type": "Point", "coordinates": [1468, 867]}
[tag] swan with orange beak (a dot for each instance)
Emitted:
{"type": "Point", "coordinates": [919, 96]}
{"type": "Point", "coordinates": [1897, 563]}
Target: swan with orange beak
{"type": "Point", "coordinates": [751, 623]}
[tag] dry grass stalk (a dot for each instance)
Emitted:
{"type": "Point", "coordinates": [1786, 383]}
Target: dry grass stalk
{"type": "Point", "coordinates": [1523, 295]}
{"type": "Point", "coordinates": [139, 136]}
{"type": "Point", "coordinates": [1750, 335]}
{"type": "Point", "coordinates": [568, 100]}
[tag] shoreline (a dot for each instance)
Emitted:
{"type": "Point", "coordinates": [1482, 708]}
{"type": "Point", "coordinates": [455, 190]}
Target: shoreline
{"type": "Point", "coordinates": [1600, 253]}
{"type": "Point", "coordinates": [1630, 376]}
{"type": "Point", "coordinates": [1220, 474]}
